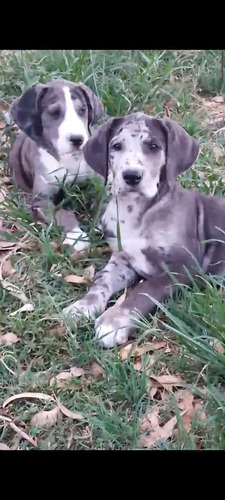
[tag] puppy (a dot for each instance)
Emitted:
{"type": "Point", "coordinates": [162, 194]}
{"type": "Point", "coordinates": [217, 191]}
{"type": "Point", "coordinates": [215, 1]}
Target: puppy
{"type": "Point", "coordinates": [164, 229]}
{"type": "Point", "coordinates": [55, 120]}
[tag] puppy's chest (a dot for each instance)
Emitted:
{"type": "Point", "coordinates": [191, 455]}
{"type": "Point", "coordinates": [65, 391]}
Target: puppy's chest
{"type": "Point", "coordinates": [138, 239]}
{"type": "Point", "coordinates": [70, 167]}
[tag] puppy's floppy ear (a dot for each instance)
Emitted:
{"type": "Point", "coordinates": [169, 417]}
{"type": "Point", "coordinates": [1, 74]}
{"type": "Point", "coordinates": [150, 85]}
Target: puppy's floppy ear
{"type": "Point", "coordinates": [95, 106]}
{"type": "Point", "coordinates": [26, 111]}
{"type": "Point", "coordinates": [182, 149]}
{"type": "Point", "coordinates": [95, 150]}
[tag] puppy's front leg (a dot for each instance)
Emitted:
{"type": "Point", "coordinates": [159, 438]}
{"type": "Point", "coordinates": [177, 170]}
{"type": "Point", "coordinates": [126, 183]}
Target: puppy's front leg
{"type": "Point", "coordinates": [116, 275]}
{"type": "Point", "coordinates": [115, 325]}
{"type": "Point", "coordinates": [44, 209]}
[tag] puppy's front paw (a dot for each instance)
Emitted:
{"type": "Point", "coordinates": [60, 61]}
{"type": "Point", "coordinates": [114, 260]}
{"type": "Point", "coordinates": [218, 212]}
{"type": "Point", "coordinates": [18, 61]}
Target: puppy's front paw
{"type": "Point", "coordinates": [77, 239]}
{"type": "Point", "coordinates": [83, 307]}
{"type": "Point", "coordinates": [113, 327]}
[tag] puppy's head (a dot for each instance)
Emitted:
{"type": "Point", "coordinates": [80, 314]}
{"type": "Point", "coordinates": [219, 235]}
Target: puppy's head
{"type": "Point", "coordinates": [59, 113]}
{"type": "Point", "coordinates": [143, 152]}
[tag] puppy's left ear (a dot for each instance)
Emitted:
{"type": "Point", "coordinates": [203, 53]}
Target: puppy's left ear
{"type": "Point", "coordinates": [182, 149]}
{"type": "Point", "coordinates": [95, 106]}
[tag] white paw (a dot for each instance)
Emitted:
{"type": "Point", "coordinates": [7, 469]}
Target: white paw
{"type": "Point", "coordinates": [112, 328]}
{"type": "Point", "coordinates": [81, 308]}
{"type": "Point", "coordinates": [77, 239]}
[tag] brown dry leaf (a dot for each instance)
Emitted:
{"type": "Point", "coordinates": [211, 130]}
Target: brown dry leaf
{"type": "Point", "coordinates": [4, 446]}
{"type": "Point", "coordinates": [168, 381]}
{"type": "Point", "coordinates": [26, 307]}
{"type": "Point", "coordinates": [58, 330]}
{"type": "Point", "coordinates": [72, 278]}
{"type": "Point", "coordinates": [150, 421]}
{"type": "Point", "coordinates": [46, 419]}
{"type": "Point", "coordinates": [9, 339]}
{"type": "Point", "coordinates": [139, 351]}
{"type": "Point", "coordinates": [218, 152]}
{"type": "Point", "coordinates": [20, 432]}
{"type": "Point", "coordinates": [200, 412]}
{"type": "Point", "coordinates": [27, 395]}
{"type": "Point", "coordinates": [7, 269]}
{"type": "Point", "coordinates": [185, 402]}
{"type": "Point", "coordinates": [64, 377]}
{"type": "Point", "coordinates": [68, 413]}
{"type": "Point", "coordinates": [96, 369]}
{"type": "Point", "coordinates": [90, 272]}
{"type": "Point", "coordinates": [164, 432]}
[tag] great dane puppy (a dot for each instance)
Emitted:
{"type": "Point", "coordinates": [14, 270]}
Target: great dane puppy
{"type": "Point", "coordinates": [163, 227]}
{"type": "Point", "coordinates": [55, 120]}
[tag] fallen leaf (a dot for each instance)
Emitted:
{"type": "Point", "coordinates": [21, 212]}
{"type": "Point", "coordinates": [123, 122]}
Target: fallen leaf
{"type": "Point", "coordinates": [58, 330]}
{"type": "Point", "coordinates": [8, 339]}
{"type": "Point", "coordinates": [164, 432]}
{"type": "Point", "coordinates": [68, 413]}
{"type": "Point", "coordinates": [72, 278]}
{"type": "Point", "coordinates": [96, 369]}
{"type": "Point", "coordinates": [4, 446]}
{"type": "Point", "coordinates": [90, 272]}
{"type": "Point", "coordinates": [63, 378]}
{"type": "Point", "coordinates": [7, 245]}
{"type": "Point", "coordinates": [26, 307]}
{"type": "Point", "coordinates": [168, 381]}
{"type": "Point", "coordinates": [77, 371]}
{"type": "Point", "coordinates": [218, 152]}
{"type": "Point", "coordinates": [46, 419]}
{"type": "Point", "coordinates": [139, 351]}
{"type": "Point", "coordinates": [27, 395]}
{"type": "Point", "coordinates": [185, 402]}
{"type": "Point", "coordinates": [150, 421]}
{"type": "Point", "coordinates": [7, 269]}
{"type": "Point", "coordinates": [19, 431]}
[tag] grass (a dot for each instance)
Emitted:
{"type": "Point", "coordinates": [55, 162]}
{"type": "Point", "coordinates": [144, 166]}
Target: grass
{"type": "Point", "coordinates": [113, 404]}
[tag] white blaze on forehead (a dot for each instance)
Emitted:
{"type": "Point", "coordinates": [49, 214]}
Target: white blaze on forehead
{"type": "Point", "coordinates": [71, 125]}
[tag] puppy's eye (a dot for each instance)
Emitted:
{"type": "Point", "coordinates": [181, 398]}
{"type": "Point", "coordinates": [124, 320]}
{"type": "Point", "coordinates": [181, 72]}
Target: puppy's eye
{"type": "Point", "coordinates": [82, 110]}
{"type": "Point", "coordinates": [55, 113]}
{"type": "Point", "coordinates": [116, 146]}
{"type": "Point", "coordinates": [152, 146]}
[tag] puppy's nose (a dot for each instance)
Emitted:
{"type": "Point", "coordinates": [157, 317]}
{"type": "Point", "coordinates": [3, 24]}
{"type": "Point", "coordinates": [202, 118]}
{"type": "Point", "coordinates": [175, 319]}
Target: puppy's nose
{"type": "Point", "coordinates": [77, 140]}
{"type": "Point", "coordinates": [132, 177]}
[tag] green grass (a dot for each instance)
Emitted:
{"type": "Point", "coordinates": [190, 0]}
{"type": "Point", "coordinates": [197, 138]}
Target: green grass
{"type": "Point", "coordinates": [114, 403]}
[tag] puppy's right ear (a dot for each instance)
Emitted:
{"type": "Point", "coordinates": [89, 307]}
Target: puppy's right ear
{"type": "Point", "coordinates": [26, 111]}
{"type": "Point", "coordinates": [95, 150]}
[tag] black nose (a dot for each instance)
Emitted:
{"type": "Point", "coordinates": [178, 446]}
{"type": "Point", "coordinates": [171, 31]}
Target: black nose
{"type": "Point", "coordinates": [132, 177]}
{"type": "Point", "coordinates": [77, 140]}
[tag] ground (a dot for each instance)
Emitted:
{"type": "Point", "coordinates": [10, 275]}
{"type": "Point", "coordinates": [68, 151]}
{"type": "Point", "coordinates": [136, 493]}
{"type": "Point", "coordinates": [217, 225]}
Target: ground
{"type": "Point", "coordinates": [165, 388]}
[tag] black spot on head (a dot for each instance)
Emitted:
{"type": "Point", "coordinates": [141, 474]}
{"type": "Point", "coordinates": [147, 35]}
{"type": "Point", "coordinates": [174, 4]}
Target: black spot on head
{"type": "Point", "coordinates": [130, 208]}
{"type": "Point", "coordinates": [120, 130]}
{"type": "Point", "coordinates": [133, 135]}
{"type": "Point", "coordinates": [122, 276]}
{"type": "Point", "coordinates": [114, 263]}
{"type": "Point", "coordinates": [122, 221]}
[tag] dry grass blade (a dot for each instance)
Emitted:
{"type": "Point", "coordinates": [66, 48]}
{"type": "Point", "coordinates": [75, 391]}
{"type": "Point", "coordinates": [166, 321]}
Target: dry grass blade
{"type": "Point", "coordinates": [20, 432]}
{"type": "Point", "coordinates": [90, 272]}
{"type": "Point", "coordinates": [72, 278]}
{"type": "Point", "coordinates": [27, 307]}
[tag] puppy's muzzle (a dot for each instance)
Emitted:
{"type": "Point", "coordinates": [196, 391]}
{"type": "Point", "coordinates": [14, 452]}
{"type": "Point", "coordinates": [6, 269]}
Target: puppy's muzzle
{"type": "Point", "coordinates": [132, 177]}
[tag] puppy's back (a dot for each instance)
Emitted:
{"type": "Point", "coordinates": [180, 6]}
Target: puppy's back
{"type": "Point", "coordinates": [21, 161]}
